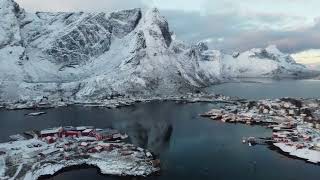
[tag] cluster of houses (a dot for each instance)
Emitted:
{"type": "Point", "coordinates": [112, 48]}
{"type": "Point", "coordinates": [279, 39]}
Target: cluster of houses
{"type": "Point", "coordinates": [313, 123]}
{"type": "Point", "coordinates": [51, 149]}
{"type": "Point", "coordinates": [292, 138]}
{"type": "Point", "coordinates": [295, 122]}
{"type": "Point", "coordinates": [286, 110]}
{"type": "Point", "coordinates": [234, 117]}
{"type": "Point", "coordinates": [80, 140]}
{"type": "Point", "coordinates": [51, 135]}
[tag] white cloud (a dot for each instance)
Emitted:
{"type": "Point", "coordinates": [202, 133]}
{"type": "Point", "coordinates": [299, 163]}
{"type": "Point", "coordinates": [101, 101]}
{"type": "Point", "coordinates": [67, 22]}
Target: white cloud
{"type": "Point", "coordinates": [291, 14]}
{"type": "Point", "coordinates": [78, 5]}
{"type": "Point", "coordinates": [182, 5]}
{"type": "Point", "coordinates": [213, 40]}
{"type": "Point", "coordinates": [311, 56]}
{"type": "Point", "coordinates": [208, 40]}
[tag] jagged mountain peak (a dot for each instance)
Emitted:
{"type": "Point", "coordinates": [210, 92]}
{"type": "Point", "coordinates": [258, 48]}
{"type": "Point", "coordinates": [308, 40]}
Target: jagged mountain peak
{"type": "Point", "coordinates": [153, 14]}
{"type": "Point", "coordinates": [271, 52]}
{"type": "Point", "coordinates": [273, 49]}
{"type": "Point", "coordinates": [202, 46]}
{"type": "Point", "coordinates": [9, 4]}
{"type": "Point", "coordinates": [9, 23]}
{"type": "Point", "coordinates": [157, 26]}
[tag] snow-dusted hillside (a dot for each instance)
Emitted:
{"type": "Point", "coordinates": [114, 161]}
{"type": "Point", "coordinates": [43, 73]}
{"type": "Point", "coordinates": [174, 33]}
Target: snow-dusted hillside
{"type": "Point", "coordinates": [85, 56]}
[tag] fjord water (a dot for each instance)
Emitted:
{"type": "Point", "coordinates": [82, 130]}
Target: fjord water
{"type": "Point", "coordinates": [190, 147]}
{"type": "Point", "coordinates": [268, 88]}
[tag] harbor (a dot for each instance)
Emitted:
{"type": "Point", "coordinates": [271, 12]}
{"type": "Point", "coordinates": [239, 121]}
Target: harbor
{"type": "Point", "coordinates": [295, 124]}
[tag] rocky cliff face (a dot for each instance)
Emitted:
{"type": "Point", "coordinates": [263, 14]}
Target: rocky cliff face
{"type": "Point", "coordinates": [89, 56]}
{"type": "Point", "coordinates": [74, 38]}
{"type": "Point", "coordinates": [85, 56]}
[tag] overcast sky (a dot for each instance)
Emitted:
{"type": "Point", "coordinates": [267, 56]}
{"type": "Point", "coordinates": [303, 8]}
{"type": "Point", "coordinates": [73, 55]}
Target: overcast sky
{"type": "Point", "coordinates": [229, 25]}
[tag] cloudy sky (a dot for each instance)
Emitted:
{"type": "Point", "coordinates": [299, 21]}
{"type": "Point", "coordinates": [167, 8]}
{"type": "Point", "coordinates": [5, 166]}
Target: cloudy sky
{"type": "Point", "coordinates": [229, 25]}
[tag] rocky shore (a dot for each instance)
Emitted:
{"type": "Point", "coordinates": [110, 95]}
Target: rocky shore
{"type": "Point", "coordinates": [114, 102]}
{"type": "Point", "coordinates": [52, 150]}
{"type": "Point", "coordinates": [295, 123]}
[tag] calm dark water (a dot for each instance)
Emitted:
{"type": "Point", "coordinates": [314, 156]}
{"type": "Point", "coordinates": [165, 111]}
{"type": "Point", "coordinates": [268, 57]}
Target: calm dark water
{"type": "Point", "coordinates": [267, 88]}
{"type": "Point", "coordinates": [190, 147]}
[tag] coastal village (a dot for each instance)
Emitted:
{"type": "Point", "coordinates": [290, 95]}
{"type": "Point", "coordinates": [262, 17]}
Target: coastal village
{"type": "Point", "coordinates": [295, 124]}
{"type": "Point", "coordinates": [35, 154]}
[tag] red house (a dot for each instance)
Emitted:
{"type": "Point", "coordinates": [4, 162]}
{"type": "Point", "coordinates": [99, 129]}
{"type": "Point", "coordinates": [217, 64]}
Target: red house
{"type": "Point", "coordinates": [71, 133]}
{"type": "Point", "coordinates": [88, 132]}
{"type": "Point", "coordinates": [50, 139]}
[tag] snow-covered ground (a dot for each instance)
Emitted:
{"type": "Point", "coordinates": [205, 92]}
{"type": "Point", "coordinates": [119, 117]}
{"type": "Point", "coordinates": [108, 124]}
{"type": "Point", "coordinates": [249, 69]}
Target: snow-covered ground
{"type": "Point", "coordinates": [2, 166]}
{"type": "Point", "coordinates": [307, 154]}
{"type": "Point", "coordinates": [33, 158]}
{"type": "Point", "coordinates": [76, 56]}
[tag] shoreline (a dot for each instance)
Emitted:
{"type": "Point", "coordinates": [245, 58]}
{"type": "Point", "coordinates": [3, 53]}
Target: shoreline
{"type": "Point", "coordinates": [295, 124]}
{"type": "Point", "coordinates": [54, 150]}
{"type": "Point", "coordinates": [278, 150]}
{"type": "Point", "coordinates": [85, 167]}
{"type": "Point", "coordinates": [120, 102]}
{"type": "Point", "coordinates": [305, 155]}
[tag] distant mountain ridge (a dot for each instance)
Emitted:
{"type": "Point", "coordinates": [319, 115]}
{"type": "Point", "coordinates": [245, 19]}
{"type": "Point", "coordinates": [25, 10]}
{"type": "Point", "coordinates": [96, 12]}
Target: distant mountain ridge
{"type": "Point", "coordinates": [86, 56]}
{"type": "Point", "coordinates": [257, 62]}
{"type": "Point", "coordinates": [314, 66]}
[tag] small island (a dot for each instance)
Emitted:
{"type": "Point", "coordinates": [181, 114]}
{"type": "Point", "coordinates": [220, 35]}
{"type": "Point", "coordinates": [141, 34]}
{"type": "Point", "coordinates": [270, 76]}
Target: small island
{"type": "Point", "coordinates": [49, 151]}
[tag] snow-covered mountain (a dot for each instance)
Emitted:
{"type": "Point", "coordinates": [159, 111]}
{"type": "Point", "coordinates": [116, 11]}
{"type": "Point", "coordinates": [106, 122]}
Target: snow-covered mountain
{"type": "Point", "coordinates": [89, 55]}
{"type": "Point", "coordinates": [258, 62]}
{"type": "Point", "coordinates": [82, 56]}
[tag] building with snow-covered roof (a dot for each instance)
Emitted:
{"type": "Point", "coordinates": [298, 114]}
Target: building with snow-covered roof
{"type": "Point", "coordinates": [107, 134]}
{"type": "Point", "coordinates": [48, 152]}
{"type": "Point", "coordinates": [69, 128]}
{"type": "Point", "coordinates": [88, 132]}
{"type": "Point", "coordinates": [82, 128]}
{"type": "Point", "coordinates": [51, 132]}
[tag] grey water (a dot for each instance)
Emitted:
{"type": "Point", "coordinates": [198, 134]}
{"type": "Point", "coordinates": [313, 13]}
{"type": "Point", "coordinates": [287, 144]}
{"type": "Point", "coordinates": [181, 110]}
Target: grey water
{"type": "Point", "coordinates": [269, 88]}
{"type": "Point", "coordinates": [189, 146]}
